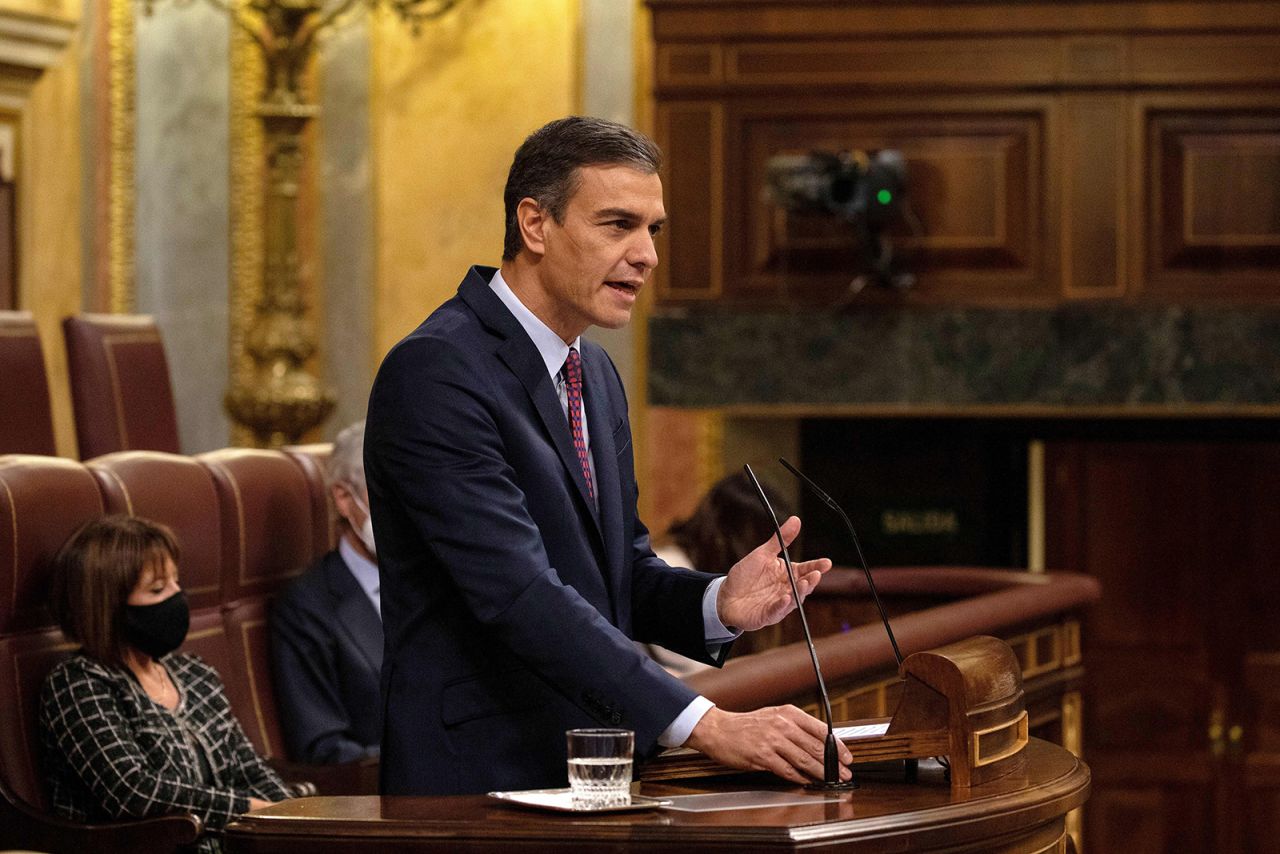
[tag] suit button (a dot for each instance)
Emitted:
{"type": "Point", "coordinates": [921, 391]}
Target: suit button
{"type": "Point", "coordinates": [615, 718]}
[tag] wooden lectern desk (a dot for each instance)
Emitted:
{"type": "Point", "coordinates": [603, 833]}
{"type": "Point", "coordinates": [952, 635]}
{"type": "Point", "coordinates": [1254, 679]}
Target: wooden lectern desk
{"type": "Point", "coordinates": [1020, 813]}
{"type": "Point", "coordinates": [1007, 793]}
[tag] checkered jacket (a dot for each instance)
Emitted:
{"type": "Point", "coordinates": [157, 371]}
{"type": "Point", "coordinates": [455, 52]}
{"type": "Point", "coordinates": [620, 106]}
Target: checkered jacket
{"type": "Point", "coordinates": [110, 752]}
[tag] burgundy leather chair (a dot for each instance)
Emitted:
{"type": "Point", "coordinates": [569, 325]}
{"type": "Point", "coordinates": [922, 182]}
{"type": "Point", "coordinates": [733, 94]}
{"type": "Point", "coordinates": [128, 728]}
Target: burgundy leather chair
{"type": "Point", "coordinates": [26, 423]}
{"type": "Point", "coordinates": [276, 522]}
{"type": "Point", "coordinates": [178, 492]}
{"type": "Point", "coordinates": [120, 385]}
{"type": "Point", "coordinates": [313, 459]}
{"type": "Point", "coordinates": [273, 526]}
{"type": "Point", "coordinates": [43, 500]}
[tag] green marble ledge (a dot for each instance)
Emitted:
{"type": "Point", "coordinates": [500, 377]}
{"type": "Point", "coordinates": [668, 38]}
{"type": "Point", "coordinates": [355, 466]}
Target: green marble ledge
{"type": "Point", "coordinates": [1147, 358]}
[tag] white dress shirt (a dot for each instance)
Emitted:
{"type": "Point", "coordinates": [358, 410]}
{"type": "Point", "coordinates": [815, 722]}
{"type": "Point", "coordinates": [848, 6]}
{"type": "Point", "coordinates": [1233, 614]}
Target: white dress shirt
{"type": "Point", "coordinates": [365, 572]}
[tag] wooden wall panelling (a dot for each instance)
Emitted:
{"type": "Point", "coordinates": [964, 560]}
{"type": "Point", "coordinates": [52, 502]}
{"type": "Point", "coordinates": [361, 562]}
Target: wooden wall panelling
{"type": "Point", "coordinates": [977, 184]}
{"type": "Point", "coordinates": [1128, 209]}
{"type": "Point", "coordinates": [1130, 821]}
{"type": "Point", "coordinates": [692, 137]}
{"type": "Point", "coordinates": [1188, 59]}
{"type": "Point", "coordinates": [1184, 654]}
{"type": "Point", "coordinates": [1094, 207]}
{"type": "Point", "coordinates": [827, 19]}
{"type": "Point", "coordinates": [902, 64]}
{"type": "Point", "coordinates": [1212, 200]}
{"type": "Point", "coordinates": [1261, 769]}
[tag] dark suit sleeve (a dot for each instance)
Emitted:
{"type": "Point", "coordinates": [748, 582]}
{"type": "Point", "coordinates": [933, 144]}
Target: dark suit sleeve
{"type": "Point", "coordinates": [435, 449]}
{"type": "Point", "coordinates": [317, 725]}
{"type": "Point", "coordinates": [662, 611]}
{"type": "Point", "coordinates": [666, 601]}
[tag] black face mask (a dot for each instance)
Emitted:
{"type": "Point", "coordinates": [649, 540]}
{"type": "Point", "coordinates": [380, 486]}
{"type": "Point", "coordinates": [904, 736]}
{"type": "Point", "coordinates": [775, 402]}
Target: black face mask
{"type": "Point", "coordinates": [158, 629]}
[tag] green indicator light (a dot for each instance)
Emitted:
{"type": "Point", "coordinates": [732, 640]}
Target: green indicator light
{"type": "Point", "coordinates": [884, 197]}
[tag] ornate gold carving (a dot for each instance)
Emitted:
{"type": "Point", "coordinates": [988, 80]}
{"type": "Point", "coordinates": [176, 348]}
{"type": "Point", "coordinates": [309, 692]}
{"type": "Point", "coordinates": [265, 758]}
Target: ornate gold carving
{"type": "Point", "coordinates": [281, 400]}
{"type": "Point", "coordinates": [246, 209]}
{"type": "Point", "coordinates": [120, 187]}
{"type": "Point", "coordinates": [273, 396]}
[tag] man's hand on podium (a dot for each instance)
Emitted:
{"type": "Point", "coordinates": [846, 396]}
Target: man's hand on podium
{"type": "Point", "coordinates": [757, 593]}
{"type": "Point", "coordinates": [781, 739]}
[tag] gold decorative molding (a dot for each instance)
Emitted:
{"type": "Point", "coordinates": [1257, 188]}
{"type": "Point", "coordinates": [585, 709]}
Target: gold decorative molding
{"type": "Point", "coordinates": [121, 94]}
{"type": "Point", "coordinates": [247, 148]}
{"type": "Point", "coordinates": [1035, 506]}
{"type": "Point", "coordinates": [31, 43]}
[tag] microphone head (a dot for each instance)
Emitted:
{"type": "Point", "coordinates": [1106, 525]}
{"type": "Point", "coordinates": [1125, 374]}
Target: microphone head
{"type": "Point", "coordinates": [813, 487]}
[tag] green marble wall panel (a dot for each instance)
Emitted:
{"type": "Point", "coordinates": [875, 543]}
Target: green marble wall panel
{"type": "Point", "coordinates": [1087, 356]}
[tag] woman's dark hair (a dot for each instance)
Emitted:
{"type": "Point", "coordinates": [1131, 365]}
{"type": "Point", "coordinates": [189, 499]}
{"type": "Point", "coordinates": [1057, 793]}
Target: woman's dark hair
{"type": "Point", "coordinates": [727, 523]}
{"type": "Point", "coordinates": [546, 165]}
{"type": "Point", "coordinates": [95, 571]}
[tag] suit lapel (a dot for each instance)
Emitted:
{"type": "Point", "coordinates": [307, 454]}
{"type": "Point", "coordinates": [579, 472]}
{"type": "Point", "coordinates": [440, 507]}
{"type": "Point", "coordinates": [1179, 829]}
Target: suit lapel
{"type": "Point", "coordinates": [600, 427]}
{"type": "Point", "coordinates": [519, 354]}
{"type": "Point", "coordinates": [355, 612]}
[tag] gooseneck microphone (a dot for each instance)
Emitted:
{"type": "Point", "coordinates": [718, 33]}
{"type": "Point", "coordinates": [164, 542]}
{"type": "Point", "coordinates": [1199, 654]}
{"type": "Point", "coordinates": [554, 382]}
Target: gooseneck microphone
{"type": "Point", "coordinates": [830, 502]}
{"type": "Point", "coordinates": [830, 754]}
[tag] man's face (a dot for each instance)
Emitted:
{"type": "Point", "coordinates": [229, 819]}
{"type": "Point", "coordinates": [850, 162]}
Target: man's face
{"type": "Point", "coordinates": [598, 259]}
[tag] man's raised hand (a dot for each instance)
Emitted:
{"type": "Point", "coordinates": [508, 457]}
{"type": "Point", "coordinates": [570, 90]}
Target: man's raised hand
{"type": "Point", "coordinates": [756, 593]}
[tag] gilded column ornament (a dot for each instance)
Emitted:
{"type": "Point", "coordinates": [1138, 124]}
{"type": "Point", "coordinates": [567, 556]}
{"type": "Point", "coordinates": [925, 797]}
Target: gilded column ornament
{"type": "Point", "coordinates": [277, 398]}
{"type": "Point", "coordinates": [120, 186]}
{"type": "Point", "coordinates": [246, 211]}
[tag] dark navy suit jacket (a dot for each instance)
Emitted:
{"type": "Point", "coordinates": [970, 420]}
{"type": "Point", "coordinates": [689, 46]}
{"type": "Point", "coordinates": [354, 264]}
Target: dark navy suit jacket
{"type": "Point", "coordinates": [326, 650]}
{"type": "Point", "coordinates": [508, 601]}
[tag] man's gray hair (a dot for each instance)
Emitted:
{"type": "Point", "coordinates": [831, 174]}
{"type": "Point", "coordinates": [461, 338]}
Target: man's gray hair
{"type": "Point", "coordinates": [346, 464]}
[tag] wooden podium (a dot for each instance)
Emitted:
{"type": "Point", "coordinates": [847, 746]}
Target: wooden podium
{"type": "Point", "coordinates": [1008, 794]}
{"type": "Point", "coordinates": [1020, 813]}
{"type": "Point", "coordinates": [963, 701]}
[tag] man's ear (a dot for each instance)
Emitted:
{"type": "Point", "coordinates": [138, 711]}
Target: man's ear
{"type": "Point", "coordinates": [532, 219]}
{"type": "Point", "coordinates": [342, 501]}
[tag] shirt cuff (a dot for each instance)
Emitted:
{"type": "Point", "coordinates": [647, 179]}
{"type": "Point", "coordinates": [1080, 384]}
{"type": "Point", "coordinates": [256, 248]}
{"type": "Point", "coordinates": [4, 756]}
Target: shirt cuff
{"type": "Point", "coordinates": [678, 733]}
{"type": "Point", "coordinates": [715, 632]}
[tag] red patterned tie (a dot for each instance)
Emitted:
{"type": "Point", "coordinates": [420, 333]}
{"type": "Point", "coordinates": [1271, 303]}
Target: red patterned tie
{"type": "Point", "coordinates": [573, 388]}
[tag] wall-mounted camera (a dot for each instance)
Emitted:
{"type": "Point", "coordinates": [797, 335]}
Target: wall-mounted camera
{"type": "Point", "coordinates": [866, 190]}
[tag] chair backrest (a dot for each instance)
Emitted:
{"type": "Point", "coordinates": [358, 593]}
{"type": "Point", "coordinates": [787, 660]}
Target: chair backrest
{"type": "Point", "coordinates": [314, 461]}
{"type": "Point", "coordinates": [272, 528]}
{"type": "Point", "coordinates": [120, 384]}
{"type": "Point", "coordinates": [25, 661]}
{"type": "Point", "coordinates": [43, 500]}
{"type": "Point", "coordinates": [178, 492]}
{"type": "Point", "coordinates": [26, 421]}
{"type": "Point", "coordinates": [249, 635]}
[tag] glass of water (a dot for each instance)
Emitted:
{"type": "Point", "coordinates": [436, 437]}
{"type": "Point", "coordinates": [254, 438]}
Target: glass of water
{"type": "Point", "coordinates": [600, 767]}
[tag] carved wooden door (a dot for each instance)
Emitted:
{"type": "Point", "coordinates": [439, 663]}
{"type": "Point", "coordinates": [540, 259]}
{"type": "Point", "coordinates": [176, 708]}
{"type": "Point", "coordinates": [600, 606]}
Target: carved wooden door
{"type": "Point", "coordinates": [1182, 703]}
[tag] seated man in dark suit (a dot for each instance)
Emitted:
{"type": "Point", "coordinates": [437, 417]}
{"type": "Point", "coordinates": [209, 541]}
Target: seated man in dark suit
{"type": "Point", "coordinates": [326, 630]}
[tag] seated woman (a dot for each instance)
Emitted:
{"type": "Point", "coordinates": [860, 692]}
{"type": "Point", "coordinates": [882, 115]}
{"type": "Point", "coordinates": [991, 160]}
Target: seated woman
{"type": "Point", "coordinates": [129, 728]}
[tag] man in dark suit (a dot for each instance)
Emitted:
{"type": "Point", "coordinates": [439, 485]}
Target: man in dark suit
{"type": "Point", "coordinates": [514, 567]}
{"type": "Point", "coordinates": [326, 630]}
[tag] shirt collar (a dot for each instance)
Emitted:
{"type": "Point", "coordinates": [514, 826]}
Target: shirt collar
{"type": "Point", "coordinates": [363, 570]}
{"type": "Point", "coordinates": [550, 346]}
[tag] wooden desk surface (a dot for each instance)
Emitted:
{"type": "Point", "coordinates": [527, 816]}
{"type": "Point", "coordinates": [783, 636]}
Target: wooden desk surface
{"type": "Point", "coordinates": [1019, 813]}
